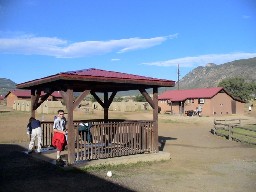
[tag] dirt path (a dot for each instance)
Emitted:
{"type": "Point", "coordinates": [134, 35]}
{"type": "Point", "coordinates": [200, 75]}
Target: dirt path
{"type": "Point", "coordinates": [199, 162]}
{"type": "Point", "coordinates": [211, 163]}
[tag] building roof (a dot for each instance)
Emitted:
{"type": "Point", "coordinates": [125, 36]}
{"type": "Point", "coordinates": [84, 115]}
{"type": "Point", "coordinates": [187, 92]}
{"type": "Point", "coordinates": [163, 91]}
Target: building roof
{"type": "Point", "coordinates": [182, 95]}
{"type": "Point", "coordinates": [20, 93]}
{"type": "Point", "coordinates": [97, 80]}
{"type": "Point", "coordinates": [56, 94]}
{"type": "Point", "coordinates": [27, 93]}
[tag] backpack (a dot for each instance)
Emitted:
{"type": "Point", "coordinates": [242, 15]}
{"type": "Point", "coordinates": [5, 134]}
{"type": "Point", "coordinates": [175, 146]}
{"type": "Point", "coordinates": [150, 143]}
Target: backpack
{"type": "Point", "coordinates": [84, 128]}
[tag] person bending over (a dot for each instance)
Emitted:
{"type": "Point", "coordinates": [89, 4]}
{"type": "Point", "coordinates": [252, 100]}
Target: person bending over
{"type": "Point", "coordinates": [34, 130]}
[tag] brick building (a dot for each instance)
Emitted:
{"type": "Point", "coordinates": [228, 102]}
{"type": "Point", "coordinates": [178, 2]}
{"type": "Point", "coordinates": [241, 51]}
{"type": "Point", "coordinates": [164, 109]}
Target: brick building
{"type": "Point", "coordinates": [17, 94]}
{"type": "Point", "coordinates": [214, 101]}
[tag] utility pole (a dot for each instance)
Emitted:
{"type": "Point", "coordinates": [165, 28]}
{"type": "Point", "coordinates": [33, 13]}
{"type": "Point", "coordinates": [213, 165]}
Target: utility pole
{"type": "Point", "coordinates": [178, 76]}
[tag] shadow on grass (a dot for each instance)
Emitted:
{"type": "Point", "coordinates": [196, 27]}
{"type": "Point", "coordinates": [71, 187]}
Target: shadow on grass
{"type": "Point", "coordinates": [22, 172]}
{"type": "Point", "coordinates": [162, 140]}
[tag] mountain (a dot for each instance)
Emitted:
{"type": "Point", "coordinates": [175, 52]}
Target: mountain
{"type": "Point", "coordinates": [200, 77]}
{"type": "Point", "coordinates": [212, 74]}
{"type": "Point", "coordinates": [6, 85]}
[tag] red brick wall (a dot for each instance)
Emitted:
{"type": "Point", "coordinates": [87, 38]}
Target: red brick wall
{"type": "Point", "coordinates": [10, 100]}
{"type": "Point", "coordinates": [220, 104]}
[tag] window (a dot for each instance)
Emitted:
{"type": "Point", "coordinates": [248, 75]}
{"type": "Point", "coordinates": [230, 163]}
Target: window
{"type": "Point", "coordinates": [201, 101]}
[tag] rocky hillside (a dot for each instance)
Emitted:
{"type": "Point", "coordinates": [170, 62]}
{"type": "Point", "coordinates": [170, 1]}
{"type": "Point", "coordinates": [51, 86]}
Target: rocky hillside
{"type": "Point", "coordinates": [212, 74]}
{"type": "Point", "coordinates": [6, 85]}
{"type": "Point", "coordinates": [208, 76]}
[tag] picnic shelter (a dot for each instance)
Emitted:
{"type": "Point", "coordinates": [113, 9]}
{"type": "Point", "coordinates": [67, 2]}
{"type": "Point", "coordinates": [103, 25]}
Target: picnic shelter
{"type": "Point", "coordinates": [110, 138]}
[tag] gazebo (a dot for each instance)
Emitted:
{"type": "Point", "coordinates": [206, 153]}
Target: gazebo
{"type": "Point", "coordinates": [111, 138]}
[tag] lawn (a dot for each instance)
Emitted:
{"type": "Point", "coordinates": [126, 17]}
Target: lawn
{"type": "Point", "coordinates": [241, 134]}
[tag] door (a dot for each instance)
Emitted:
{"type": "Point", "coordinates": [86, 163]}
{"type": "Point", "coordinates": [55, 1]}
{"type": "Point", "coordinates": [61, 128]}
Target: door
{"type": "Point", "coordinates": [233, 107]}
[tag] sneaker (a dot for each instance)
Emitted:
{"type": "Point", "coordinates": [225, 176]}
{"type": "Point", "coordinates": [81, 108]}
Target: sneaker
{"type": "Point", "coordinates": [60, 162]}
{"type": "Point", "coordinates": [29, 152]}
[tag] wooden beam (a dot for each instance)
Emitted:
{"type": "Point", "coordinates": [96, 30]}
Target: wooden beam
{"type": "Point", "coordinates": [38, 94]}
{"type": "Point", "coordinates": [65, 97]}
{"type": "Point", "coordinates": [147, 97]}
{"type": "Point", "coordinates": [33, 98]}
{"type": "Point", "coordinates": [97, 98]}
{"type": "Point", "coordinates": [70, 126]}
{"type": "Point", "coordinates": [105, 106]}
{"type": "Point", "coordinates": [43, 98]}
{"type": "Point", "coordinates": [110, 100]}
{"type": "Point", "coordinates": [80, 98]}
{"type": "Point", "coordinates": [155, 118]}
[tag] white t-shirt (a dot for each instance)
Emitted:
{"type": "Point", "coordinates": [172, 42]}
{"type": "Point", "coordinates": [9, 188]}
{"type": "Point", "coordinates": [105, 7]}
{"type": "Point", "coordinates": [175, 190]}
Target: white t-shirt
{"type": "Point", "coordinates": [59, 124]}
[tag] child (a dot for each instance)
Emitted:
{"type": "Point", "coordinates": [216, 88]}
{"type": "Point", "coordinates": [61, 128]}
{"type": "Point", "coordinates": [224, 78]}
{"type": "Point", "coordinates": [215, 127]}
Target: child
{"type": "Point", "coordinates": [60, 131]}
{"type": "Point", "coordinates": [35, 130]}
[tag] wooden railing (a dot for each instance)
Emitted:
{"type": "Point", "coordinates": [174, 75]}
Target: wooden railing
{"type": "Point", "coordinates": [115, 139]}
{"type": "Point", "coordinates": [112, 139]}
{"type": "Point", "coordinates": [47, 128]}
{"type": "Point", "coordinates": [228, 125]}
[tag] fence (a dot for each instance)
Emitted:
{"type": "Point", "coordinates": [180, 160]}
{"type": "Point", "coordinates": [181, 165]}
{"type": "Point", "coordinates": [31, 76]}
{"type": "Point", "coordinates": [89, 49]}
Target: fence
{"type": "Point", "coordinates": [112, 139]}
{"type": "Point", "coordinates": [228, 125]}
{"type": "Point", "coordinates": [47, 129]}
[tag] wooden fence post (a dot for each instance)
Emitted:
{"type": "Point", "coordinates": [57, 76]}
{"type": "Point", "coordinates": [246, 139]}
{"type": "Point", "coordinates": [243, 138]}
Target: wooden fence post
{"type": "Point", "coordinates": [230, 132]}
{"type": "Point", "coordinates": [214, 127]}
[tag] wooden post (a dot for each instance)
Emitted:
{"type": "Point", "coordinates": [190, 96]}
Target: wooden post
{"type": "Point", "coordinates": [214, 127]}
{"type": "Point", "coordinates": [230, 132]}
{"type": "Point", "coordinates": [155, 118]}
{"type": "Point", "coordinates": [70, 126]}
{"type": "Point", "coordinates": [33, 97]}
{"type": "Point", "coordinates": [105, 106]}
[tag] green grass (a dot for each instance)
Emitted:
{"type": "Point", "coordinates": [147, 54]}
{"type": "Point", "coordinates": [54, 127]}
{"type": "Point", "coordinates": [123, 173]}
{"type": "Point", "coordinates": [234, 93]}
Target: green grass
{"type": "Point", "coordinates": [242, 138]}
{"type": "Point", "coordinates": [169, 121]}
{"type": "Point", "coordinates": [105, 167]}
{"type": "Point", "coordinates": [120, 170]}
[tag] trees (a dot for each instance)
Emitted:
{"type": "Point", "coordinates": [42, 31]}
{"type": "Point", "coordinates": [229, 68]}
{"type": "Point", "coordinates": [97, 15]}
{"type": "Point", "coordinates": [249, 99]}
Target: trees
{"type": "Point", "coordinates": [139, 98]}
{"type": "Point", "coordinates": [239, 88]}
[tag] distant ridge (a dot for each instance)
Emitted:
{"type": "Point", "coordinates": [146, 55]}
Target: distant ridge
{"type": "Point", "coordinates": [6, 85]}
{"type": "Point", "coordinates": [200, 77]}
{"type": "Point", "coordinates": [212, 74]}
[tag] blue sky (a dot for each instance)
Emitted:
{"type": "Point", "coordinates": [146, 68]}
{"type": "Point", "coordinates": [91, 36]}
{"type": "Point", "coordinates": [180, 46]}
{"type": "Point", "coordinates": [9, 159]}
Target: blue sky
{"type": "Point", "coordinates": [143, 37]}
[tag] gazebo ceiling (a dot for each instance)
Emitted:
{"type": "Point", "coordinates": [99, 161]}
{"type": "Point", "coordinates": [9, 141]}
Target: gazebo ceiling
{"type": "Point", "coordinates": [96, 80]}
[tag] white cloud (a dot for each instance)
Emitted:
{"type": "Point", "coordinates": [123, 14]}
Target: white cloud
{"type": "Point", "coordinates": [246, 17]}
{"type": "Point", "coordinates": [203, 60]}
{"type": "Point", "coordinates": [52, 46]}
{"type": "Point", "coordinates": [115, 59]}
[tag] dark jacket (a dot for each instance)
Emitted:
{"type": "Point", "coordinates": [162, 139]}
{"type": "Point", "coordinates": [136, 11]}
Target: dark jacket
{"type": "Point", "coordinates": [33, 125]}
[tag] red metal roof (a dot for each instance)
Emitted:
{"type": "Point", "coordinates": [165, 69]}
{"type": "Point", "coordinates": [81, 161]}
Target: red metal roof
{"type": "Point", "coordinates": [108, 78]}
{"type": "Point", "coordinates": [109, 74]}
{"type": "Point", "coordinates": [27, 93]}
{"type": "Point", "coordinates": [20, 93]}
{"type": "Point", "coordinates": [56, 94]}
{"type": "Point", "coordinates": [181, 95]}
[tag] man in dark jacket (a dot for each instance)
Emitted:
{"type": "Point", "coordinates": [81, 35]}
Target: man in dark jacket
{"type": "Point", "coordinates": [35, 130]}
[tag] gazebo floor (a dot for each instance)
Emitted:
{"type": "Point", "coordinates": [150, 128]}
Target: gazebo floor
{"type": "Point", "coordinates": [50, 156]}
